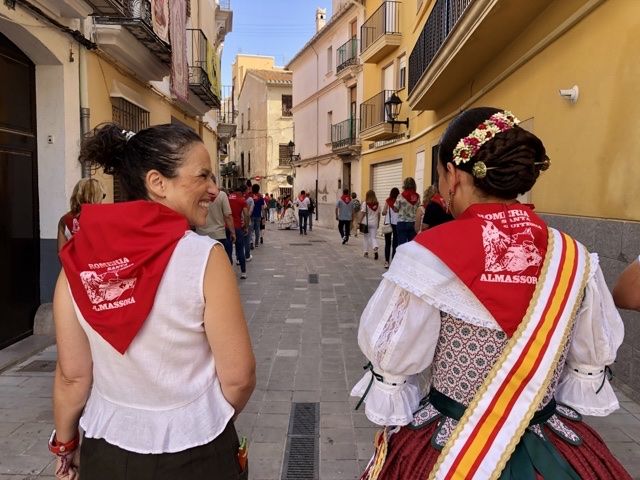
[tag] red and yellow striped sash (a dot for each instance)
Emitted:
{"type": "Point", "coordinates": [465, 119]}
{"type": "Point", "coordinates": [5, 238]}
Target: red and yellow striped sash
{"type": "Point", "coordinates": [487, 434]}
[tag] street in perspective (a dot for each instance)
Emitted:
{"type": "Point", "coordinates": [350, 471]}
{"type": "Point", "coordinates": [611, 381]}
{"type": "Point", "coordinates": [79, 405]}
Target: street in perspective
{"type": "Point", "coordinates": [302, 301]}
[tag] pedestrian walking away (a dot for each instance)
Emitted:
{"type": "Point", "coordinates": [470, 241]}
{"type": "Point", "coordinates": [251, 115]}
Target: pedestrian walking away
{"type": "Point", "coordinates": [357, 214]}
{"type": "Point", "coordinates": [389, 226]}
{"type": "Point", "coordinates": [273, 206]}
{"type": "Point", "coordinates": [154, 355]}
{"type": "Point", "coordinates": [219, 225]}
{"type": "Point", "coordinates": [248, 231]}
{"type": "Point", "coordinates": [256, 214]}
{"type": "Point", "coordinates": [240, 215]}
{"type": "Point", "coordinates": [369, 222]}
{"type": "Point", "coordinates": [87, 190]}
{"type": "Point", "coordinates": [302, 202]}
{"type": "Point", "coordinates": [456, 308]}
{"type": "Point", "coordinates": [344, 215]}
{"type": "Point", "coordinates": [406, 206]}
{"type": "Point", "coordinates": [312, 210]}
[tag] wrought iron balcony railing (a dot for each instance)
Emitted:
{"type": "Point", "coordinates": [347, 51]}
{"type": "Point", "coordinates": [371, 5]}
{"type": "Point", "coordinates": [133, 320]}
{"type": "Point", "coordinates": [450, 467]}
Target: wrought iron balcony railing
{"type": "Point", "coordinates": [344, 134]}
{"type": "Point", "coordinates": [384, 21]}
{"type": "Point", "coordinates": [227, 113]}
{"type": "Point", "coordinates": [347, 54]}
{"type": "Point", "coordinates": [442, 20]}
{"type": "Point", "coordinates": [372, 111]}
{"type": "Point", "coordinates": [200, 69]}
{"type": "Point", "coordinates": [135, 16]}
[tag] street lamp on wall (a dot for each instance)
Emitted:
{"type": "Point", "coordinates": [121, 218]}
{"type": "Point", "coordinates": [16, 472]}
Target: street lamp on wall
{"type": "Point", "coordinates": [292, 148]}
{"type": "Point", "coordinates": [392, 109]}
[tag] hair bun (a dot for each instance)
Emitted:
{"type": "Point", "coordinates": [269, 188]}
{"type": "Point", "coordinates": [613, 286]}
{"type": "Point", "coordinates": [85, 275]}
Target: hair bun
{"type": "Point", "coordinates": [105, 148]}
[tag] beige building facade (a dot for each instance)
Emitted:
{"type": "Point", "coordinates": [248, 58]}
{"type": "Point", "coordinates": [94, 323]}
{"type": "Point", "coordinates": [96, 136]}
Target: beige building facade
{"type": "Point", "coordinates": [327, 93]}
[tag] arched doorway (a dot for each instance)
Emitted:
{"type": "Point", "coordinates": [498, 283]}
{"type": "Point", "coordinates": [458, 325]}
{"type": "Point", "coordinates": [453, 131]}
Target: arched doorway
{"type": "Point", "coordinates": [19, 225]}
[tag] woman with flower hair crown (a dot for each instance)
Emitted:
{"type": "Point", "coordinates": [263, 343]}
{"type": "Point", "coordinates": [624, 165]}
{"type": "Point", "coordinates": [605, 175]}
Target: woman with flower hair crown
{"type": "Point", "coordinates": [526, 329]}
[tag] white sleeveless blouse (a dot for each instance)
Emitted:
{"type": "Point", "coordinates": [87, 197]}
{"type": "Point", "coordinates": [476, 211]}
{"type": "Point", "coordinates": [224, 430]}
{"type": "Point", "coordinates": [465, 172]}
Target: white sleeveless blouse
{"type": "Point", "coordinates": [163, 394]}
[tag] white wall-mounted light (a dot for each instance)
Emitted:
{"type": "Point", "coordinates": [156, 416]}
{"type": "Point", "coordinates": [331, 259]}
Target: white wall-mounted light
{"type": "Point", "coordinates": [570, 94]}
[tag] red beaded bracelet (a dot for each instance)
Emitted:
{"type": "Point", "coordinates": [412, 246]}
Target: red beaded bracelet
{"type": "Point", "coordinates": [58, 448]}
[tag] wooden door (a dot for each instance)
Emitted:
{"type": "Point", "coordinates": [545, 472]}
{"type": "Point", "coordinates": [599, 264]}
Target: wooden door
{"type": "Point", "coordinates": [19, 224]}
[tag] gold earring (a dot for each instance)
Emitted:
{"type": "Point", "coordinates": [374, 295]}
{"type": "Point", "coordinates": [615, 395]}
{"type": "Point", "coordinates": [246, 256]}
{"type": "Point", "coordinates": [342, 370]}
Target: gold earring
{"type": "Point", "coordinates": [450, 201]}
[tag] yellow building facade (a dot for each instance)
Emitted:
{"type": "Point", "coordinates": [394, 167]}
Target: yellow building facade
{"type": "Point", "coordinates": [568, 70]}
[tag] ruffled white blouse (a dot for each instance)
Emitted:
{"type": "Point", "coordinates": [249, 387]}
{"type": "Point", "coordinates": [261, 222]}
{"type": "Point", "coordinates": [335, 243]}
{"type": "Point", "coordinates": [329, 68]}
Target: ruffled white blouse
{"type": "Point", "coordinates": [400, 325]}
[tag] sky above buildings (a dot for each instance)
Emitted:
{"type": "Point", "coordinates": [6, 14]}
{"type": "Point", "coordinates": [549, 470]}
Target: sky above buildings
{"type": "Point", "coordinates": [278, 28]}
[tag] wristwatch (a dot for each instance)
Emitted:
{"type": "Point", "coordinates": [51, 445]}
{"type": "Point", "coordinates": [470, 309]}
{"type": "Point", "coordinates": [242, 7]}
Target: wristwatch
{"type": "Point", "coordinates": [58, 448]}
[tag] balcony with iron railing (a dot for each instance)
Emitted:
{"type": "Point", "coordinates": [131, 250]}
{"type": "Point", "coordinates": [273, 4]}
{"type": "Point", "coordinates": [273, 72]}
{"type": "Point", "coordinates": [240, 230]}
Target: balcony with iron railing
{"type": "Point", "coordinates": [373, 118]}
{"type": "Point", "coordinates": [224, 18]}
{"type": "Point", "coordinates": [380, 34]}
{"type": "Point", "coordinates": [227, 115]}
{"type": "Point", "coordinates": [345, 138]}
{"type": "Point", "coordinates": [460, 38]}
{"type": "Point", "coordinates": [135, 16]}
{"type": "Point", "coordinates": [200, 69]}
{"type": "Point", "coordinates": [347, 55]}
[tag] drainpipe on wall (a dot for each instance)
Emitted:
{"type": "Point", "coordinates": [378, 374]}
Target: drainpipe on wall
{"type": "Point", "coordinates": [317, 124]}
{"type": "Point", "coordinates": [85, 112]}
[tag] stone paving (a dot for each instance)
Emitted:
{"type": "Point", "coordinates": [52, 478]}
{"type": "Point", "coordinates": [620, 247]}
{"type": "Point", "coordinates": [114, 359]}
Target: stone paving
{"type": "Point", "coordinates": [305, 340]}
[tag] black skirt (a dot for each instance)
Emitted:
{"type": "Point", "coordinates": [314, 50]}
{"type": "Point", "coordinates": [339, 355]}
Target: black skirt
{"type": "Point", "coordinates": [100, 460]}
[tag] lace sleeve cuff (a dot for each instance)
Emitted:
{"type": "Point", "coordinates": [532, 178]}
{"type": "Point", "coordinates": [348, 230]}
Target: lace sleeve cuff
{"type": "Point", "coordinates": [390, 401]}
{"type": "Point", "coordinates": [587, 390]}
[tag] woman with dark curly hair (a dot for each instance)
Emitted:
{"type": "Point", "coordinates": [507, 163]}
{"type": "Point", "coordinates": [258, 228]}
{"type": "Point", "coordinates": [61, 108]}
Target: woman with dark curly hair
{"type": "Point", "coordinates": [154, 356]}
{"type": "Point", "coordinates": [512, 318]}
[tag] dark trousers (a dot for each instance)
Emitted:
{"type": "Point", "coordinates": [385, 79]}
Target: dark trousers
{"type": "Point", "coordinates": [310, 221]}
{"type": "Point", "coordinates": [390, 243]}
{"type": "Point", "coordinates": [303, 216]}
{"type": "Point", "coordinates": [240, 250]}
{"type": "Point", "coordinates": [406, 232]}
{"type": "Point", "coordinates": [255, 226]}
{"type": "Point", "coordinates": [247, 243]}
{"type": "Point", "coordinates": [344, 227]}
{"type": "Point", "coordinates": [228, 246]}
{"type": "Point", "coordinates": [100, 460]}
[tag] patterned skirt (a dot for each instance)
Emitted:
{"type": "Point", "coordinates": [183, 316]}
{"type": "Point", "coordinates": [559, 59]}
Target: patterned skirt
{"type": "Point", "coordinates": [557, 446]}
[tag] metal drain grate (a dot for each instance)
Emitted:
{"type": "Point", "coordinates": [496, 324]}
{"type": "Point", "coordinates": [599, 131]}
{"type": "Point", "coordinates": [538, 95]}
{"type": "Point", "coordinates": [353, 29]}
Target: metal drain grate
{"type": "Point", "coordinates": [301, 454]}
{"type": "Point", "coordinates": [39, 366]}
{"type": "Point", "coordinates": [313, 278]}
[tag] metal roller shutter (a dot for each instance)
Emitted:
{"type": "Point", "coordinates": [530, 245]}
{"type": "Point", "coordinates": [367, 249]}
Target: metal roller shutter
{"type": "Point", "coordinates": [385, 176]}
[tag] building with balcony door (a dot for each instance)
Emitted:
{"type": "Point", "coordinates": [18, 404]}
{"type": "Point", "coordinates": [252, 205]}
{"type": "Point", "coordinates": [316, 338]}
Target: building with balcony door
{"type": "Point", "coordinates": [255, 152]}
{"type": "Point", "coordinates": [327, 93]}
{"type": "Point", "coordinates": [518, 56]}
{"type": "Point", "coordinates": [67, 66]}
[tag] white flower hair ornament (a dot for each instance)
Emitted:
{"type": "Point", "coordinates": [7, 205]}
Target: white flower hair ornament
{"type": "Point", "coordinates": [469, 146]}
{"type": "Point", "coordinates": [128, 134]}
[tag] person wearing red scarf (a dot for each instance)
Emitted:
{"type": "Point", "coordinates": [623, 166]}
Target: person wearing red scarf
{"type": "Point", "coordinates": [389, 226]}
{"type": "Point", "coordinates": [477, 301]}
{"type": "Point", "coordinates": [344, 215]}
{"type": "Point", "coordinates": [369, 223]}
{"type": "Point", "coordinates": [406, 206]}
{"type": "Point", "coordinates": [154, 355]}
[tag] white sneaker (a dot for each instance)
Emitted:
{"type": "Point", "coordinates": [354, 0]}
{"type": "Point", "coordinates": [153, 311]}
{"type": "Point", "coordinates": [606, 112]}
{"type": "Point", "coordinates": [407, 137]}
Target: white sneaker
{"type": "Point", "coordinates": [249, 258]}
{"type": "Point", "coordinates": [243, 276]}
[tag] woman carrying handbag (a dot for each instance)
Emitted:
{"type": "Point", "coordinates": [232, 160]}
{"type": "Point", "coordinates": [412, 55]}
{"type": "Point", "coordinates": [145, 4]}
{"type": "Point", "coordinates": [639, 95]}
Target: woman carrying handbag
{"type": "Point", "coordinates": [389, 227]}
{"type": "Point", "coordinates": [369, 223]}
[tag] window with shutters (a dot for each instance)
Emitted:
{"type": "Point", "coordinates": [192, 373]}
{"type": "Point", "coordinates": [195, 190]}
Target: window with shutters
{"type": "Point", "coordinates": [287, 104]}
{"type": "Point", "coordinates": [283, 155]}
{"type": "Point", "coordinates": [130, 117]}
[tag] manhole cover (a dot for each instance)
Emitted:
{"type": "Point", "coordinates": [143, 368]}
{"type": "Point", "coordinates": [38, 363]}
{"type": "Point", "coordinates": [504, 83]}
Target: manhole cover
{"type": "Point", "coordinates": [313, 278]}
{"type": "Point", "coordinates": [39, 366]}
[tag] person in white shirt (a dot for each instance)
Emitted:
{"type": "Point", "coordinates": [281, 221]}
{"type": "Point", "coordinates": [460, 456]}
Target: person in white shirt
{"type": "Point", "coordinates": [302, 202]}
{"type": "Point", "coordinates": [369, 222]}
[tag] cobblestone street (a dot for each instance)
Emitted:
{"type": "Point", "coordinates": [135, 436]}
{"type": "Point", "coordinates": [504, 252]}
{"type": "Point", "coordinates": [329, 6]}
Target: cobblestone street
{"type": "Point", "coordinates": [302, 301]}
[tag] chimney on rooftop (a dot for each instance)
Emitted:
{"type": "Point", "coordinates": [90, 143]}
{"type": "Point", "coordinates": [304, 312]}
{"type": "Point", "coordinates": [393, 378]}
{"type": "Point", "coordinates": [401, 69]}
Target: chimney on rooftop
{"type": "Point", "coordinates": [321, 16]}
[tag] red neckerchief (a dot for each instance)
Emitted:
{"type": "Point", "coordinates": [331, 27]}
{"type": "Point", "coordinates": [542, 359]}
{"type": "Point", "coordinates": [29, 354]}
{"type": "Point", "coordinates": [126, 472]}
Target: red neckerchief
{"type": "Point", "coordinates": [497, 251]}
{"type": "Point", "coordinates": [346, 198]}
{"type": "Point", "coordinates": [114, 264]}
{"type": "Point", "coordinates": [437, 198]}
{"type": "Point", "coordinates": [373, 206]}
{"type": "Point", "coordinates": [411, 196]}
{"type": "Point", "coordinates": [301, 198]}
{"type": "Point", "coordinates": [390, 202]}
{"type": "Point", "coordinates": [72, 222]}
